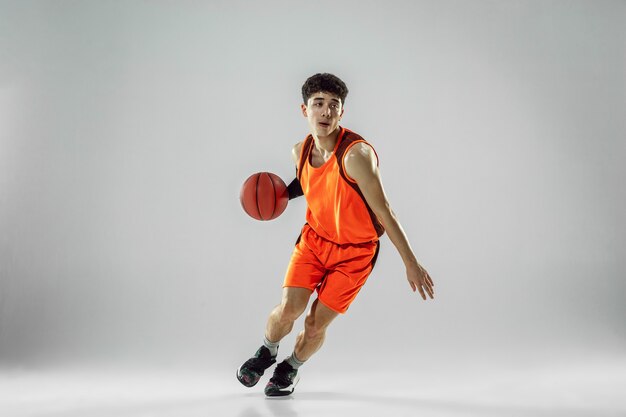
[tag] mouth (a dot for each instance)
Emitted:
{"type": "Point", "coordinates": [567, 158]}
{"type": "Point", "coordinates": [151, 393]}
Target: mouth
{"type": "Point", "coordinates": [324, 124]}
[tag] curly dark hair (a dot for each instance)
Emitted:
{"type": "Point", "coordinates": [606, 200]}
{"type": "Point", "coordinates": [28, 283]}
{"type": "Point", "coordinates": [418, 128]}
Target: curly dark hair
{"type": "Point", "coordinates": [324, 82]}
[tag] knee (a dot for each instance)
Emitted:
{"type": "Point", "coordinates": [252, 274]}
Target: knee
{"type": "Point", "coordinates": [289, 312]}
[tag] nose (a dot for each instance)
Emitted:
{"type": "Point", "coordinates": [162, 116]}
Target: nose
{"type": "Point", "coordinates": [326, 111]}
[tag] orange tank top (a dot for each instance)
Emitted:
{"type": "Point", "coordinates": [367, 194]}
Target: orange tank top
{"type": "Point", "coordinates": [336, 208]}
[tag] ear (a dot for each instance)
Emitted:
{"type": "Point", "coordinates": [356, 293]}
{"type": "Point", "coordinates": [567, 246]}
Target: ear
{"type": "Point", "coordinates": [341, 114]}
{"type": "Point", "coordinates": [303, 107]}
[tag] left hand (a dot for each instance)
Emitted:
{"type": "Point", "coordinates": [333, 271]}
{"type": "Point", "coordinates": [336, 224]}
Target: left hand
{"type": "Point", "coordinates": [420, 280]}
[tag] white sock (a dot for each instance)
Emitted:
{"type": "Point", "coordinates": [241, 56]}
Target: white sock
{"type": "Point", "coordinates": [272, 346]}
{"type": "Point", "coordinates": [294, 361]}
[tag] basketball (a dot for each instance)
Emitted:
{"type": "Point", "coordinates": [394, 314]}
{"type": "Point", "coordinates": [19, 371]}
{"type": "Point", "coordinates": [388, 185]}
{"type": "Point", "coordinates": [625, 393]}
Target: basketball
{"type": "Point", "coordinates": [264, 196]}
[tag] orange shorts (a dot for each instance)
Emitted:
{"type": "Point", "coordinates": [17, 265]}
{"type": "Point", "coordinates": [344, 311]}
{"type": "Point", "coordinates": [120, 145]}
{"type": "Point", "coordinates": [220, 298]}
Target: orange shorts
{"type": "Point", "coordinates": [336, 272]}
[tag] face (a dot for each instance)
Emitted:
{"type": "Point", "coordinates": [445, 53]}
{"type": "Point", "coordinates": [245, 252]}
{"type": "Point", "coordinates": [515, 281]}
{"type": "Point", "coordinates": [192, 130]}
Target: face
{"type": "Point", "coordinates": [323, 111]}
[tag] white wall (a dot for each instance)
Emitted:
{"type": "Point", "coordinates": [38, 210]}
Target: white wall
{"type": "Point", "coordinates": [127, 128]}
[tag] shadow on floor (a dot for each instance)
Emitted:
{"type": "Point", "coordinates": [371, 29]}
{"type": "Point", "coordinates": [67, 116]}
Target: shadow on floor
{"type": "Point", "coordinates": [340, 404]}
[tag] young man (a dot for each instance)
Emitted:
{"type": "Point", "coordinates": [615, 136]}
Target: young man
{"type": "Point", "coordinates": [347, 211]}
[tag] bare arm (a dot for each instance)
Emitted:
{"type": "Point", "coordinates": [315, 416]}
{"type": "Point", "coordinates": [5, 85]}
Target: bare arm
{"type": "Point", "coordinates": [360, 164]}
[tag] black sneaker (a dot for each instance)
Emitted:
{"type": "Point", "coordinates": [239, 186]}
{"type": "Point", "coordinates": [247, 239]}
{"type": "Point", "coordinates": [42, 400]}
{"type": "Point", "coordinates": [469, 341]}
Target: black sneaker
{"type": "Point", "coordinates": [251, 371]}
{"type": "Point", "coordinates": [283, 382]}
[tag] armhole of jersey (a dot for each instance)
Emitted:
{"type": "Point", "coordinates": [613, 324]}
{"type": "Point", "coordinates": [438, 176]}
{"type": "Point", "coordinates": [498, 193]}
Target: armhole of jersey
{"type": "Point", "coordinates": [348, 177]}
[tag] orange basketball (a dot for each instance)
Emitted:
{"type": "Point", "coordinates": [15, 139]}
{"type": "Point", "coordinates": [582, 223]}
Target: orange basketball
{"type": "Point", "coordinates": [264, 196]}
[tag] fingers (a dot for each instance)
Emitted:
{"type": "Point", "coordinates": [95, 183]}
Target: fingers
{"type": "Point", "coordinates": [429, 284]}
{"type": "Point", "coordinates": [429, 290]}
{"type": "Point", "coordinates": [420, 288]}
{"type": "Point", "coordinates": [420, 280]}
{"type": "Point", "coordinates": [422, 292]}
{"type": "Point", "coordinates": [424, 287]}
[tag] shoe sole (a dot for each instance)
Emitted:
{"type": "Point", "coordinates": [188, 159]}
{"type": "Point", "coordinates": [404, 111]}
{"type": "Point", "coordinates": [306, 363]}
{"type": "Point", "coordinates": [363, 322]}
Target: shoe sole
{"type": "Point", "coordinates": [285, 391]}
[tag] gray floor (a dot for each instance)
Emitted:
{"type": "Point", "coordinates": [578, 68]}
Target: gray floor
{"type": "Point", "coordinates": [592, 389]}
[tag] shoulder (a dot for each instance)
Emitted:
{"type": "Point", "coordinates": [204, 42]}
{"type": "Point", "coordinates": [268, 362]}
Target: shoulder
{"type": "Point", "coordinates": [360, 149]}
{"type": "Point", "coordinates": [360, 162]}
{"type": "Point", "coordinates": [295, 151]}
{"type": "Point", "coordinates": [360, 153]}
{"type": "Point", "coordinates": [297, 147]}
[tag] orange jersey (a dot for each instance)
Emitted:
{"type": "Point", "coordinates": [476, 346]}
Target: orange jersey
{"type": "Point", "coordinates": [336, 208]}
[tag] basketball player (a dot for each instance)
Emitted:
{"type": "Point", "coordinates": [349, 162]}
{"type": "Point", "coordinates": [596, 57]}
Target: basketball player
{"type": "Point", "coordinates": [347, 212]}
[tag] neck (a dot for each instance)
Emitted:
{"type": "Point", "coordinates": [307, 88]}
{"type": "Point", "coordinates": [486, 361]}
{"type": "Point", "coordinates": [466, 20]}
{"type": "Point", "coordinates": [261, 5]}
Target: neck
{"type": "Point", "coordinates": [326, 144]}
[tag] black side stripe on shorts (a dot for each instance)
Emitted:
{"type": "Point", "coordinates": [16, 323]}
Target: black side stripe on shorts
{"type": "Point", "coordinates": [375, 258]}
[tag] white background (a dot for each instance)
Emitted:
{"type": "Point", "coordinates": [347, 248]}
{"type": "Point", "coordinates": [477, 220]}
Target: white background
{"type": "Point", "coordinates": [127, 128]}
